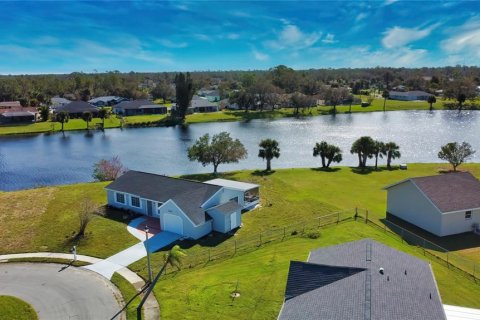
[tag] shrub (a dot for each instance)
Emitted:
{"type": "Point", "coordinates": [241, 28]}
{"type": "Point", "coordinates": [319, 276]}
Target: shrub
{"type": "Point", "coordinates": [313, 235]}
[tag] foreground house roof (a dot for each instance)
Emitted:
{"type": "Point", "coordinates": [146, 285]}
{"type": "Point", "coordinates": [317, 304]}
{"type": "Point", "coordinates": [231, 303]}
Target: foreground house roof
{"type": "Point", "coordinates": [345, 282]}
{"type": "Point", "coordinates": [449, 192]}
{"type": "Point", "coordinates": [188, 195]}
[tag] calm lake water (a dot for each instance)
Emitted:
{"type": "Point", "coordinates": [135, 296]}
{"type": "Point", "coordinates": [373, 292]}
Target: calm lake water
{"type": "Point", "coordinates": [50, 159]}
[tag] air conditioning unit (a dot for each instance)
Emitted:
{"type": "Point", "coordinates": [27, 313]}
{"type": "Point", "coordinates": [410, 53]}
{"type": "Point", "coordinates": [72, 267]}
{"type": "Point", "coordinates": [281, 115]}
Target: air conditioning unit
{"type": "Point", "coordinates": [476, 228]}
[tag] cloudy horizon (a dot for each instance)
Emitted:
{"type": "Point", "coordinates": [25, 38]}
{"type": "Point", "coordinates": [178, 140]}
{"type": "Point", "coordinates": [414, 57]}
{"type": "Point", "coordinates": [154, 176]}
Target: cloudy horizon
{"type": "Point", "coordinates": [69, 36]}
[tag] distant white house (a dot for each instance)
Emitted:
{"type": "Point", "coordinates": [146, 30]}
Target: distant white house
{"type": "Point", "coordinates": [106, 101]}
{"type": "Point", "coordinates": [443, 204]}
{"type": "Point", "coordinates": [57, 102]}
{"type": "Point", "coordinates": [409, 95]}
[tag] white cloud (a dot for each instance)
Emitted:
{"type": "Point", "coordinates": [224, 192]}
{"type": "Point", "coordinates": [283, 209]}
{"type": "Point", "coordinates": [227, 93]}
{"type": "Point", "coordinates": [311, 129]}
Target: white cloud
{"type": "Point", "coordinates": [399, 37]}
{"type": "Point", "coordinates": [259, 55]}
{"type": "Point", "coordinates": [365, 56]}
{"type": "Point", "coordinates": [464, 39]}
{"type": "Point", "coordinates": [202, 37]}
{"type": "Point", "coordinates": [182, 7]}
{"type": "Point", "coordinates": [329, 38]}
{"type": "Point", "coordinates": [172, 44]}
{"type": "Point", "coordinates": [361, 16]}
{"type": "Point", "coordinates": [389, 2]}
{"type": "Point", "coordinates": [233, 36]}
{"type": "Point", "coordinates": [292, 37]}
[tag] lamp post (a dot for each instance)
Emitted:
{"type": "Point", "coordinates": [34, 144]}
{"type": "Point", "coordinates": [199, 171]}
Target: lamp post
{"type": "Point", "coordinates": [148, 255]}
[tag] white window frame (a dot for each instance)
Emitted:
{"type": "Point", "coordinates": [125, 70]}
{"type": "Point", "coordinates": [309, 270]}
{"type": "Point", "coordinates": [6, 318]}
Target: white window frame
{"type": "Point", "coordinates": [468, 215]}
{"type": "Point", "coordinates": [124, 198]}
{"type": "Point", "coordinates": [139, 202]}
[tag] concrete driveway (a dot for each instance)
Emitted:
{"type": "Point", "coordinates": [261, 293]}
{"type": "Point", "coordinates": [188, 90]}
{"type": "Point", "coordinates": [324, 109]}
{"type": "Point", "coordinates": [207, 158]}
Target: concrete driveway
{"type": "Point", "coordinates": [62, 293]}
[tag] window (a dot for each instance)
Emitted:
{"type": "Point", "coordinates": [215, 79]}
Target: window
{"type": "Point", "coordinates": [159, 204]}
{"type": "Point", "coordinates": [135, 202]}
{"type": "Point", "coordinates": [468, 215]}
{"type": "Point", "coordinates": [120, 197]}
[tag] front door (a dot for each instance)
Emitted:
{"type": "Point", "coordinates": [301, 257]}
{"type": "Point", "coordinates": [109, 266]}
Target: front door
{"type": "Point", "coordinates": [149, 208]}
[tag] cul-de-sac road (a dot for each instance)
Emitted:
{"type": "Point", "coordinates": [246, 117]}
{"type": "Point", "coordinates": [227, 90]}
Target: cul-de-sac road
{"type": "Point", "coordinates": [57, 292]}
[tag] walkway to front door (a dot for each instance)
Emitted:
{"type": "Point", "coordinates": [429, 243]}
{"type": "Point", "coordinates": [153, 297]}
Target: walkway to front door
{"type": "Point", "coordinates": [157, 240]}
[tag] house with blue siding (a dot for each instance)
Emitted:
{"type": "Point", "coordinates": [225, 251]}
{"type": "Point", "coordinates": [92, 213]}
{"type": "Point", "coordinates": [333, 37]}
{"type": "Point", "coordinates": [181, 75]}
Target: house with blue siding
{"type": "Point", "coordinates": [189, 208]}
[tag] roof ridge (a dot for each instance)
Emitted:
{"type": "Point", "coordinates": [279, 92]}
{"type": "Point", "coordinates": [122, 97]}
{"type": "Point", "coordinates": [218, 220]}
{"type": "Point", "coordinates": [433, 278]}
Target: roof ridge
{"type": "Point", "coordinates": [175, 178]}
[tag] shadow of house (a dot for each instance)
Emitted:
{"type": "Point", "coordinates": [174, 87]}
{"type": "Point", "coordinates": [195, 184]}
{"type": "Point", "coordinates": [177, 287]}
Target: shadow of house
{"type": "Point", "coordinates": [415, 235]}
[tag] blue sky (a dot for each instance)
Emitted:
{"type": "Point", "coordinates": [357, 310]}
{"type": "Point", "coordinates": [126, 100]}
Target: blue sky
{"type": "Point", "coordinates": [67, 36]}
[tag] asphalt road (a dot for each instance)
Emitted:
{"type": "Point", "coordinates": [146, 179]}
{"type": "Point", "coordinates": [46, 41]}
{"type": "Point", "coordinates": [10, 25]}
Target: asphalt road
{"type": "Point", "coordinates": [62, 293]}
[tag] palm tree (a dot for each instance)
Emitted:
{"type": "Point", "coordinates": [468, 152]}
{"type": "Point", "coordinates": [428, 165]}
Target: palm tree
{"type": "Point", "coordinates": [461, 99]}
{"type": "Point", "coordinates": [328, 153]}
{"type": "Point", "coordinates": [174, 258]}
{"type": "Point", "coordinates": [385, 96]}
{"type": "Point", "coordinates": [62, 117]}
{"type": "Point", "coordinates": [431, 100]}
{"type": "Point", "coordinates": [269, 150]}
{"type": "Point", "coordinates": [378, 151]}
{"type": "Point", "coordinates": [392, 151]}
{"type": "Point", "coordinates": [350, 100]}
{"type": "Point", "coordinates": [363, 147]}
{"type": "Point", "coordinates": [87, 117]}
{"type": "Point", "coordinates": [103, 114]}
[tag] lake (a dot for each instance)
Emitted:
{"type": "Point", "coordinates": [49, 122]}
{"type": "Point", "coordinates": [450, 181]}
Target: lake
{"type": "Point", "coordinates": [51, 159]}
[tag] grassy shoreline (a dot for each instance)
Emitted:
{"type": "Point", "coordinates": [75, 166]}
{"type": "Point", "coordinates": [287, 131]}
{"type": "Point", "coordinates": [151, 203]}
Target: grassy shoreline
{"type": "Point", "coordinates": [221, 116]}
{"type": "Point", "coordinates": [287, 196]}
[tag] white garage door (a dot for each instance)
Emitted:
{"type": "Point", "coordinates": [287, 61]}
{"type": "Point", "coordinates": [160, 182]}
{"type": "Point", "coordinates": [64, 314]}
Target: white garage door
{"type": "Point", "coordinates": [173, 223]}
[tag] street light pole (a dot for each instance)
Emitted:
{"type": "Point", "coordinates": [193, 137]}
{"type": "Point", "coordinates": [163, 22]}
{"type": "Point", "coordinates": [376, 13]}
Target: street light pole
{"type": "Point", "coordinates": [148, 255]}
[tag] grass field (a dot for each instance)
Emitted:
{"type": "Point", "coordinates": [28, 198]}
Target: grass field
{"type": "Point", "coordinates": [45, 219]}
{"type": "Point", "coordinates": [16, 309]}
{"type": "Point", "coordinates": [204, 292]}
{"type": "Point", "coordinates": [226, 115]}
{"type": "Point", "coordinates": [128, 292]}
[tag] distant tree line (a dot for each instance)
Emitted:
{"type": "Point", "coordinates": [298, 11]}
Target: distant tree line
{"type": "Point", "coordinates": [257, 89]}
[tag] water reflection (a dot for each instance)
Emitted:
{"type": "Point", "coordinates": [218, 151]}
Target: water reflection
{"type": "Point", "coordinates": [45, 159]}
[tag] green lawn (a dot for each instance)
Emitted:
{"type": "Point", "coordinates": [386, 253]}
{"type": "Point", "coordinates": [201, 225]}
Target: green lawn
{"type": "Point", "coordinates": [204, 292]}
{"type": "Point", "coordinates": [16, 309]}
{"type": "Point", "coordinates": [45, 219]}
{"type": "Point", "coordinates": [226, 115]}
{"type": "Point", "coordinates": [128, 292]}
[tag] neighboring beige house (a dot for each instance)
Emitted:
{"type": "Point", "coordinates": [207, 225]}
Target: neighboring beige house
{"type": "Point", "coordinates": [443, 204]}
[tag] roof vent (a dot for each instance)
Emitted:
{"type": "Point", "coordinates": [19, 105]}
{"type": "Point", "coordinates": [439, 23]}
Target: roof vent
{"type": "Point", "coordinates": [405, 271]}
{"type": "Point", "coordinates": [381, 270]}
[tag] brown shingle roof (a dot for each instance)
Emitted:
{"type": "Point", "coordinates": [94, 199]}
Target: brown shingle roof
{"type": "Point", "coordinates": [451, 191]}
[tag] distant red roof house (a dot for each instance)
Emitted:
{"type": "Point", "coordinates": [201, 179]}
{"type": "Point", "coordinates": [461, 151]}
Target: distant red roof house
{"type": "Point", "coordinates": [10, 104]}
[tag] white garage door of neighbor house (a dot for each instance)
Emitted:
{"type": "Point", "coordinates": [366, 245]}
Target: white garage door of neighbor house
{"type": "Point", "coordinates": [234, 221]}
{"type": "Point", "coordinates": [173, 223]}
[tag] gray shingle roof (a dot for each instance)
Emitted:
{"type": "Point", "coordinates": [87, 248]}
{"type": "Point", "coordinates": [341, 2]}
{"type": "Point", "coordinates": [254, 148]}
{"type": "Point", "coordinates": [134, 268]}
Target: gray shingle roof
{"type": "Point", "coordinates": [451, 191]}
{"type": "Point", "coordinates": [77, 107]}
{"type": "Point", "coordinates": [406, 290]}
{"type": "Point", "coordinates": [138, 104]}
{"type": "Point", "coordinates": [188, 195]}
{"type": "Point", "coordinates": [227, 207]}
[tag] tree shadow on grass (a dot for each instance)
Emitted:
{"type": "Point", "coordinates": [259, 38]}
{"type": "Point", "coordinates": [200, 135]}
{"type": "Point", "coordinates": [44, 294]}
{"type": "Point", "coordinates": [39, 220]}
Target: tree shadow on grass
{"type": "Point", "coordinates": [325, 169]}
{"type": "Point", "coordinates": [368, 170]}
{"type": "Point", "coordinates": [262, 173]}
